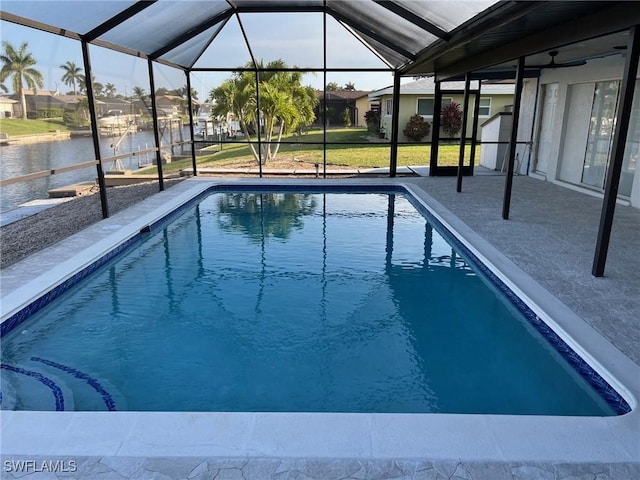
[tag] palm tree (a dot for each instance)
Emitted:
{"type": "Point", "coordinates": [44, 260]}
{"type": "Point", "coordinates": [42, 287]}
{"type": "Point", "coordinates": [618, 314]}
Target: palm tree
{"type": "Point", "coordinates": [110, 90]}
{"type": "Point", "coordinates": [72, 75]}
{"type": "Point", "coordinates": [138, 92]}
{"type": "Point", "coordinates": [285, 104]}
{"type": "Point", "coordinates": [20, 64]}
{"type": "Point", "coordinates": [333, 87]}
{"type": "Point", "coordinates": [349, 87]}
{"type": "Point", "coordinates": [98, 89]}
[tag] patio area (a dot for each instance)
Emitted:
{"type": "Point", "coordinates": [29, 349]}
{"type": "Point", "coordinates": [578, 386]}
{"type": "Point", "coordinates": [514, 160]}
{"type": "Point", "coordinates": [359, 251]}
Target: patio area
{"type": "Point", "coordinates": [551, 235]}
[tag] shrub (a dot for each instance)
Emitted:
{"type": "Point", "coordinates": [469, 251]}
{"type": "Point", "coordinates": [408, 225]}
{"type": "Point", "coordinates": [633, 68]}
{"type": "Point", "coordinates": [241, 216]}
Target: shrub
{"type": "Point", "coordinates": [417, 128]}
{"type": "Point", "coordinates": [372, 118]}
{"type": "Point", "coordinates": [451, 119]}
{"type": "Point", "coordinates": [75, 119]}
{"type": "Point", "coordinates": [346, 117]}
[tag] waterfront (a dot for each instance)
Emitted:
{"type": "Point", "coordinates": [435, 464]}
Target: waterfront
{"type": "Point", "coordinates": [23, 159]}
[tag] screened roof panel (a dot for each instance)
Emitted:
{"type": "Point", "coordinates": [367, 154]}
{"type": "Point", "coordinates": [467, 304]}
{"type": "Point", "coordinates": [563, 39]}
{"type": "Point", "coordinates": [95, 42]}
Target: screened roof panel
{"type": "Point", "coordinates": [343, 47]}
{"type": "Point", "coordinates": [227, 50]}
{"type": "Point", "coordinates": [444, 13]}
{"type": "Point", "coordinates": [391, 56]}
{"type": "Point", "coordinates": [296, 38]}
{"type": "Point", "coordinates": [277, 4]}
{"type": "Point", "coordinates": [188, 53]}
{"type": "Point", "coordinates": [163, 22]}
{"type": "Point", "coordinates": [366, 15]}
{"type": "Point", "coordinates": [79, 17]}
{"type": "Point", "coordinates": [398, 30]}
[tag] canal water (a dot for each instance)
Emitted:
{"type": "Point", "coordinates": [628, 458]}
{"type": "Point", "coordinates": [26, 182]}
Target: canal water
{"type": "Point", "coordinates": [17, 160]}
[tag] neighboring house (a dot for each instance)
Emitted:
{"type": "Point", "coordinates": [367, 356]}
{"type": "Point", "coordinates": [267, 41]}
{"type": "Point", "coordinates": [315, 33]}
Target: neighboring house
{"type": "Point", "coordinates": [170, 105]}
{"type": "Point", "coordinates": [356, 101]}
{"type": "Point", "coordinates": [568, 115]}
{"type": "Point", "coordinates": [104, 105]}
{"type": "Point", "coordinates": [38, 100]}
{"type": "Point", "coordinates": [8, 107]}
{"type": "Point", "coordinates": [417, 98]}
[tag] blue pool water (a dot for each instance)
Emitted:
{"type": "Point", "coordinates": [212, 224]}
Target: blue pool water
{"type": "Point", "coordinates": [271, 301]}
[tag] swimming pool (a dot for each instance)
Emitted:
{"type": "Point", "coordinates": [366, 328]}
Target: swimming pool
{"type": "Point", "coordinates": [327, 440]}
{"type": "Point", "coordinates": [287, 301]}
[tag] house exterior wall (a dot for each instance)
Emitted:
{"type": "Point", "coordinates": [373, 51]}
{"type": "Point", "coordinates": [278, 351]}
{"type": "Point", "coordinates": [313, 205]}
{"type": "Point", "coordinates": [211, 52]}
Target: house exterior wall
{"type": "Point", "coordinates": [363, 105]}
{"type": "Point", "coordinates": [409, 107]}
{"type": "Point", "coordinates": [567, 129]}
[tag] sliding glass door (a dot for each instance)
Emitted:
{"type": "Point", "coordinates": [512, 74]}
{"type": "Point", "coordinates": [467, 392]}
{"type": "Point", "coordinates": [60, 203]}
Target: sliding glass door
{"type": "Point", "coordinates": [600, 137]}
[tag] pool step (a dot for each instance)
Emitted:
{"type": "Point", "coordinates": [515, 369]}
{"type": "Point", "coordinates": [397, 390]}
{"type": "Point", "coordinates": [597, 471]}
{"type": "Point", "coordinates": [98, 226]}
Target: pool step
{"type": "Point", "coordinates": [41, 384]}
{"type": "Point", "coordinates": [26, 388]}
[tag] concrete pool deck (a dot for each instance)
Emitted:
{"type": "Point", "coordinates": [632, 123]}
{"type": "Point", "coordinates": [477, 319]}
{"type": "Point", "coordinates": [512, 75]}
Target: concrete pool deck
{"type": "Point", "coordinates": [543, 252]}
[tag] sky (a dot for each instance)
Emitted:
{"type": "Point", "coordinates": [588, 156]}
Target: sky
{"type": "Point", "coordinates": [299, 44]}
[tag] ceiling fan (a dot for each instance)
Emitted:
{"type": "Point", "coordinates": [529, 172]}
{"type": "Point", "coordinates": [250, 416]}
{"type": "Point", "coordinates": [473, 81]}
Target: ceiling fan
{"type": "Point", "coordinates": [552, 63]}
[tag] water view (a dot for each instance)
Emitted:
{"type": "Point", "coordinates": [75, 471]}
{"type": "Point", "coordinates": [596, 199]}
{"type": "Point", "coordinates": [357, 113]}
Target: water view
{"type": "Point", "coordinates": [17, 160]}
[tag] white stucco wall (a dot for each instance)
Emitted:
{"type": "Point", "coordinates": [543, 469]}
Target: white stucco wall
{"type": "Point", "coordinates": [570, 122]}
{"type": "Point", "coordinates": [409, 107]}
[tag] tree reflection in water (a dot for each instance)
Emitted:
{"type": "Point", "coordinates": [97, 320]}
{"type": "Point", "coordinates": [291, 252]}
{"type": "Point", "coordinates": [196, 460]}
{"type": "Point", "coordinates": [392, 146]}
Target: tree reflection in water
{"type": "Point", "coordinates": [263, 215]}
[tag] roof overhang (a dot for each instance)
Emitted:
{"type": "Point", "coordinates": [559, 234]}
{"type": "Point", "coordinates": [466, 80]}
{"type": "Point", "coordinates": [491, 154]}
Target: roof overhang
{"type": "Point", "coordinates": [514, 29]}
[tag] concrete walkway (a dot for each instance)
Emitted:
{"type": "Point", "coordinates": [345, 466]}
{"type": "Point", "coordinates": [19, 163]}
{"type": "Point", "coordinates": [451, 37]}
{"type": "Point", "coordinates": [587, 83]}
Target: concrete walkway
{"type": "Point", "coordinates": [551, 235]}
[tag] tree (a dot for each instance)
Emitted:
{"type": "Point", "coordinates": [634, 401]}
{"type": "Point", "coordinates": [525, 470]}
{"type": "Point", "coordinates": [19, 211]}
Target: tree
{"type": "Point", "coordinates": [110, 90]}
{"type": "Point", "coordinates": [349, 87]}
{"type": "Point", "coordinates": [285, 104]}
{"type": "Point", "coordinates": [138, 92]}
{"type": "Point", "coordinates": [333, 87]}
{"type": "Point", "coordinates": [98, 89]}
{"type": "Point", "coordinates": [20, 64]}
{"type": "Point", "coordinates": [72, 75]}
{"type": "Point", "coordinates": [451, 119]}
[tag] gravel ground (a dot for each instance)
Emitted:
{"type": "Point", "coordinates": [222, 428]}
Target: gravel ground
{"type": "Point", "coordinates": [24, 237]}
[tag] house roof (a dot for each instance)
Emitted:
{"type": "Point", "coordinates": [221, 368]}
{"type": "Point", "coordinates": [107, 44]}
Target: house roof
{"type": "Point", "coordinates": [426, 86]}
{"type": "Point", "coordinates": [342, 94]}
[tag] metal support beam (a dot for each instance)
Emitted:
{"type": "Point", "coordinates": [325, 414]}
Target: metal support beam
{"type": "Point", "coordinates": [474, 129]}
{"type": "Point", "coordinates": [513, 140]}
{"type": "Point", "coordinates": [200, 28]}
{"type": "Point", "coordinates": [617, 152]}
{"type": "Point", "coordinates": [154, 115]}
{"type": "Point", "coordinates": [191, 132]}
{"type": "Point", "coordinates": [95, 134]}
{"type": "Point", "coordinates": [463, 135]}
{"type": "Point", "coordinates": [393, 154]}
{"type": "Point", "coordinates": [435, 129]}
{"type": "Point", "coordinates": [259, 127]}
{"type": "Point", "coordinates": [324, 93]}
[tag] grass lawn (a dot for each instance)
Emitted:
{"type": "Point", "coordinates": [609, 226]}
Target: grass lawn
{"type": "Point", "coordinates": [304, 154]}
{"type": "Point", "coordinates": [16, 126]}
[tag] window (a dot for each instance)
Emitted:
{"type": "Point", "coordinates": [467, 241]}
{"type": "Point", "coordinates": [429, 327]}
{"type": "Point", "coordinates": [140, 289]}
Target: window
{"type": "Point", "coordinates": [425, 106]}
{"type": "Point", "coordinates": [485, 107]}
{"type": "Point", "coordinates": [388, 106]}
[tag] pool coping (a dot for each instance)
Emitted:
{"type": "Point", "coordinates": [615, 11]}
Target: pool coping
{"type": "Point", "coordinates": [492, 438]}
